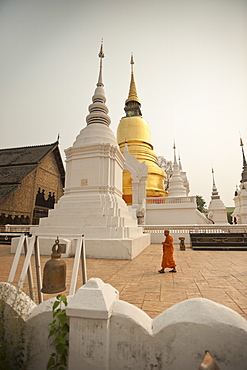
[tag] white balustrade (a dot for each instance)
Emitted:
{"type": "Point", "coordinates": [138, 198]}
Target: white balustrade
{"type": "Point", "coordinates": [107, 333]}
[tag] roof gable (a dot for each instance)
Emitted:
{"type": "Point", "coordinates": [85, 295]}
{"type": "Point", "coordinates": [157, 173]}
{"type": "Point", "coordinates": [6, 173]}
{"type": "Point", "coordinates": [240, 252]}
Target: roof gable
{"type": "Point", "coordinates": [17, 163]}
{"type": "Point", "coordinates": [24, 155]}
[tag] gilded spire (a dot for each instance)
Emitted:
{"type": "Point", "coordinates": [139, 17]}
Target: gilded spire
{"type": "Point", "coordinates": [132, 91]}
{"type": "Point", "coordinates": [132, 104]}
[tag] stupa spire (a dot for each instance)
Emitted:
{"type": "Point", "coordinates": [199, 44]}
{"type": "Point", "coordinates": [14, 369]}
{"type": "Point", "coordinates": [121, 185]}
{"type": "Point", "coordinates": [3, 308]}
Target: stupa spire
{"type": "Point", "coordinates": [216, 210]}
{"type": "Point", "coordinates": [215, 194]}
{"type": "Point", "coordinates": [98, 110]}
{"type": "Point", "coordinates": [179, 163]}
{"type": "Point", "coordinates": [183, 175]}
{"type": "Point", "coordinates": [244, 173]}
{"type": "Point", "coordinates": [132, 103]}
{"type": "Point", "coordinates": [176, 185]}
{"type": "Point", "coordinates": [132, 90]}
{"type": "Point", "coordinates": [101, 56]}
{"type": "Point", "coordinates": [175, 158]}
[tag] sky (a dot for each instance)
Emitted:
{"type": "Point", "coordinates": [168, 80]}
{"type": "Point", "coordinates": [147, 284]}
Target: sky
{"type": "Point", "coordinates": [190, 72]}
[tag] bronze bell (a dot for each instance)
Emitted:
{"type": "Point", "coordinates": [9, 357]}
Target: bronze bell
{"type": "Point", "coordinates": [54, 277]}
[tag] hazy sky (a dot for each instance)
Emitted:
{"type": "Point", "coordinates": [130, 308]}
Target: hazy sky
{"type": "Point", "coordinates": [190, 71]}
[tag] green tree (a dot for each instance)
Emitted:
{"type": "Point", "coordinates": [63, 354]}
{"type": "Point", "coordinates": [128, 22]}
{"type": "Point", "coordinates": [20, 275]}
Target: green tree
{"type": "Point", "coordinates": [201, 204]}
{"type": "Point", "coordinates": [167, 167]}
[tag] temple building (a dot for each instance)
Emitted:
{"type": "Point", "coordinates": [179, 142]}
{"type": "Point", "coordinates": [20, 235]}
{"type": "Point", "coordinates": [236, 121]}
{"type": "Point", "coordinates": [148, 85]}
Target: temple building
{"type": "Point", "coordinates": [31, 182]}
{"type": "Point", "coordinates": [134, 131]}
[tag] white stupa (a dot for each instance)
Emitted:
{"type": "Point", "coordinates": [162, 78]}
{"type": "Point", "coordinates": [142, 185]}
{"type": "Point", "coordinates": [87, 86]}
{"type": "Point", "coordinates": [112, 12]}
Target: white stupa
{"type": "Point", "coordinates": [92, 203]}
{"type": "Point", "coordinates": [217, 211]}
{"type": "Point", "coordinates": [184, 176]}
{"type": "Point", "coordinates": [176, 184]}
{"type": "Point", "coordinates": [240, 213]}
{"type": "Point", "coordinates": [178, 208]}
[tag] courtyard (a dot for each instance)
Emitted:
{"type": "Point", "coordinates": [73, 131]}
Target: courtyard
{"type": "Point", "coordinates": [220, 276]}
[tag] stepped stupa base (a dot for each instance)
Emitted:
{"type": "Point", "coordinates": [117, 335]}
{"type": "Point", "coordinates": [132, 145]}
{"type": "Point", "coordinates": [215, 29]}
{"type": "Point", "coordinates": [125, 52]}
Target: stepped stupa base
{"type": "Point", "coordinates": [125, 249]}
{"type": "Point", "coordinates": [121, 249]}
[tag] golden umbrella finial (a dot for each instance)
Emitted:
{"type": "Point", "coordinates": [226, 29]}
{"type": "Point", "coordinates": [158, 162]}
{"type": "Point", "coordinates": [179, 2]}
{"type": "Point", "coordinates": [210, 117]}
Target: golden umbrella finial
{"type": "Point", "coordinates": [132, 91]}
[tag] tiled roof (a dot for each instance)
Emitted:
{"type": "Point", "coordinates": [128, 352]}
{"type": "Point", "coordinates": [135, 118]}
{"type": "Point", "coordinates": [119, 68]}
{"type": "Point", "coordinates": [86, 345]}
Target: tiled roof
{"type": "Point", "coordinates": [17, 163]}
{"type": "Point", "coordinates": [6, 190]}
{"type": "Point", "coordinates": [24, 155]}
{"type": "Point", "coordinates": [14, 174]}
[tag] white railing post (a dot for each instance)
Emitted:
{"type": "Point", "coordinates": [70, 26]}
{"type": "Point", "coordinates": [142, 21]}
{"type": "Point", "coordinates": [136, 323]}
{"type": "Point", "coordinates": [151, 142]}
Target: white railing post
{"type": "Point", "coordinates": [89, 312]}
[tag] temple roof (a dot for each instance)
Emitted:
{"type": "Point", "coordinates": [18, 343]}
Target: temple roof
{"type": "Point", "coordinates": [17, 163]}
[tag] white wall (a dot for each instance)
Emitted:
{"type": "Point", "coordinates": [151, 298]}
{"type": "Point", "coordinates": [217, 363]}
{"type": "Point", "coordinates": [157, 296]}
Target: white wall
{"type": "Point", "coordinates": [173, 211]}
{"type": "Point", "coordinates": [107, 333]}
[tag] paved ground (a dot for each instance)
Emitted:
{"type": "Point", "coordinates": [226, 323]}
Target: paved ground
{"type": "Point", "coordinates": [217, 275]}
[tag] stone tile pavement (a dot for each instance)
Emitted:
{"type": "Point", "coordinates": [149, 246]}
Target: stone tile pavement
{"type": "Point", "coordinates": [217, 275]}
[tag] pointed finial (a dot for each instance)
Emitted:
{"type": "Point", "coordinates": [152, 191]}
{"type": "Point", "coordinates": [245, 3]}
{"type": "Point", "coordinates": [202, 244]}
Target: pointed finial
{"type": "Point", "coordinates": [101, 56]}
{"type": "Point", "coordinates": [174, 147]}
{"type": "Point", "coordinates": [58, 137]}
{"type": "Point", "coordinates": [98, 111]}
{"type": "Point", "coordinates": [244, 172]}
{"type": "Point", "coordinates": [236, 191]}
{"type": "Point", "coordinates": [101, 52]}
{"type": "Point", "coordinates": [213, 176]}
{"type": "Point", "coordinates": [132, 63]}
{"type": "Point", "coordinates": [132, 90]}
{"type": "Point", "coordinates": [179, 163]}
{"type": "Point", "coordinates": [215, 194]}
{"type": "Point", "coordinates": [132, 59]}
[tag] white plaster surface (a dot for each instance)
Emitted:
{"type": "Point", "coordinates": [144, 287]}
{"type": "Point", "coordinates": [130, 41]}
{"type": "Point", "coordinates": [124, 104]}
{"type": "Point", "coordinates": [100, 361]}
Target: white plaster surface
{"type": "Point", "coordinates": [21, 303]}
{"type": "Point", "coordinates": [240, 201]}
{"type": "Point", "coordinates": [175, 211]}
{"type": "Point", "coordinates": [118, 335]}
{"type": "Point", "coordinates": [217, 211]}
{"type": "Point", "coordinates": [93, 300]}
{"type": "Point", "coordinates": [178, 338]}
{"type": "Point", "coordinates": [126, 249]}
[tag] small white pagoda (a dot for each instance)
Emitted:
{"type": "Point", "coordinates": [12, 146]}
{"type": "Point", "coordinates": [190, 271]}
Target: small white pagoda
{"type": "Point", "coordinates": [178, 208]}
{"type": "Point", "coordinates": [176, 185]}
{"type": "Point", "coordinates": [217, 212]}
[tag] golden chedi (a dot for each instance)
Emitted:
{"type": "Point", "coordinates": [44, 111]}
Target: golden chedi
{"type": "Point", "coordinates": [134, 131]}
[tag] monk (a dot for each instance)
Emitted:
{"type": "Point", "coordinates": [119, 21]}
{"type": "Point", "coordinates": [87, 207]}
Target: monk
{"type": "Point", "coordinates": [168, 249]}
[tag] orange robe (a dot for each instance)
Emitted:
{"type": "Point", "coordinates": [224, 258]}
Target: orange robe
{"type": "Point", "coordinates": [168, 249]}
